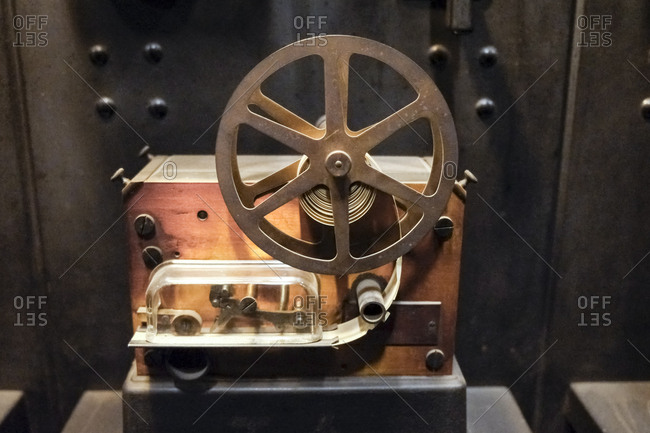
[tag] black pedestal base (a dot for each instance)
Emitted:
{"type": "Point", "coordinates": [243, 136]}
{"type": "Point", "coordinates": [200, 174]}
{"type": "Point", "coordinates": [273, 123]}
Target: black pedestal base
{"type": "Point", "coordinates": [330, 404]}
{"type": "Point", "coordinates": [155, 406]}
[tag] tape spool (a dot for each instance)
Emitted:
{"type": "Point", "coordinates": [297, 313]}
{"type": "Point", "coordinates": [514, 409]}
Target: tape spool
{"type": "Point", "coordinates": [317, 202]}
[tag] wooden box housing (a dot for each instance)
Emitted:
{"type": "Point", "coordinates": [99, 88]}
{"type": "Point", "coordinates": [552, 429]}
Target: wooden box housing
{"type": "Point", "coordinates": [175, 189]}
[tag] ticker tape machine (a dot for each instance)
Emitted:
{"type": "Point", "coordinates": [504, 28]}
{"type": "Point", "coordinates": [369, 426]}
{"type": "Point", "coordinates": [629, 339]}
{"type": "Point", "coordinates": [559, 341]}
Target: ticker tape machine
{"type": "Point", "coordinates": [329, 258]}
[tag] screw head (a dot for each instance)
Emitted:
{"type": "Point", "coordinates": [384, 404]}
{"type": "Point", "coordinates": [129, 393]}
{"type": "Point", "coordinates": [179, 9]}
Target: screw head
{"type": "Point", "coordinates": [487, 56]}
{"type": "Point", "coordinates": [157, 108]}
{"type": "Point", "coordinates": [145, 226]}
{"type": "Point", "coordinates": [152, 257]}
{"type": "Point", "coordinates": [485, 107]}
{"type": "Point", "coordinates": [438, 54]}
{"type": "Point", "coordinates": [645, 108]}
{"type": "Point", "coordinates": [98, 55]}
{"type": "Point", "coordinates": [153, 52]}
{"type": "Point", "coordinates": [105, 107]}
{"type": "Point", "coordinates": [248, 305]}
{"type": "Point", "coordinates": [444, 228]}
{"type": "Point", "coordinates": [434, 359]}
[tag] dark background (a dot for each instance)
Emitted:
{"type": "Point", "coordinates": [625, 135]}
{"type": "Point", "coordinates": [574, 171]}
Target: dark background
{"type": "Point", "coordinates": [560, 211]}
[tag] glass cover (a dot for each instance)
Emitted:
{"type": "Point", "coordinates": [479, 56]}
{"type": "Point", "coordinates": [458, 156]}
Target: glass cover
{"type": "Point", "coordinates": [231, 303]}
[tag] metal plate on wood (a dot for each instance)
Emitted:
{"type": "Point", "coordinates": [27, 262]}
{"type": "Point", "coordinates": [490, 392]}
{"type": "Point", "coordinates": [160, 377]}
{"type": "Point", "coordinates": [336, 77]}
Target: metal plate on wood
{"type": "Point", "coordinates": [412, 324]}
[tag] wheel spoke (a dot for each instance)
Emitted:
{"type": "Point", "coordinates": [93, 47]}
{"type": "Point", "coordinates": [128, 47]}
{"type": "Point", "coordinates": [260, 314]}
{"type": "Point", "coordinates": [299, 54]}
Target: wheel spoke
{"type": "Point", "coordinates": [289, 137]}
{"type": "Point", "coordinates": [270, 183]}
{"type": "Point", "coordinates": [375, 134]}
{"type": "Point", "coordinates": [284, 195]}
{"type": "Point", "coordinates": [284, 116]}
{"type": "Point", "coordinates": [339, 194]}
{"type": "Point", "coordinates": [387, 184]}
{"type": "Point", "coordinates": [336, 90]}
{"type": "Point", "coordinates": [288, 242]}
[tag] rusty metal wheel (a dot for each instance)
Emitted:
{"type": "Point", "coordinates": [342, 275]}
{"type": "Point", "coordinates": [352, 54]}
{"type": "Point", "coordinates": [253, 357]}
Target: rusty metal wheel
{"type": "Point", "coordinates": [336, 157]}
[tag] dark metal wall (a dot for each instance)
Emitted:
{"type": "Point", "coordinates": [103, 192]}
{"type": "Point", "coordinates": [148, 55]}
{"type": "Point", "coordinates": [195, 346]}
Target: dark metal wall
{"type": "Point", "coordinates": [602, 235]}
{"type": "Point", "coordinates": [558, 214]}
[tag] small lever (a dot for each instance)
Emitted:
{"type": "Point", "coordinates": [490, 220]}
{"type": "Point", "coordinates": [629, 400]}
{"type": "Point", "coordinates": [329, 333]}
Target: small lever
{"type": "Point", "coordinates": [119, 174]}
{"type": "Point", "coordinates": [460, 185]}
{"type": "Point", "coordinates": [468, 178]}
{"type": "Point", "coordinates": [146, 152]}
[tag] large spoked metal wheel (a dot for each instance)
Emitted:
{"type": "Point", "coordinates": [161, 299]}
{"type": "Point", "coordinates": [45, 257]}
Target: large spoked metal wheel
{"type": "Point", "coordinates": [335, 158]}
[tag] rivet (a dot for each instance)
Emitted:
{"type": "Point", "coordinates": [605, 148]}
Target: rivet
{"type": "Point", "coordinates": [105, 107]}
{"type": "Point", "coordinates": [438, 54]}
{"type": "Point", "coordinates": [645, 108]}
{"type": "Point", "coordinates": [153, 52]}
{"type": "Point", "coordinates": [98, 55]}
{"type": "Point", "coordinates": [488, 56]}
{"type": "Point", "coordinates": [157, 108]}
{"type": "Point", "coordinates": [485, 107]}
